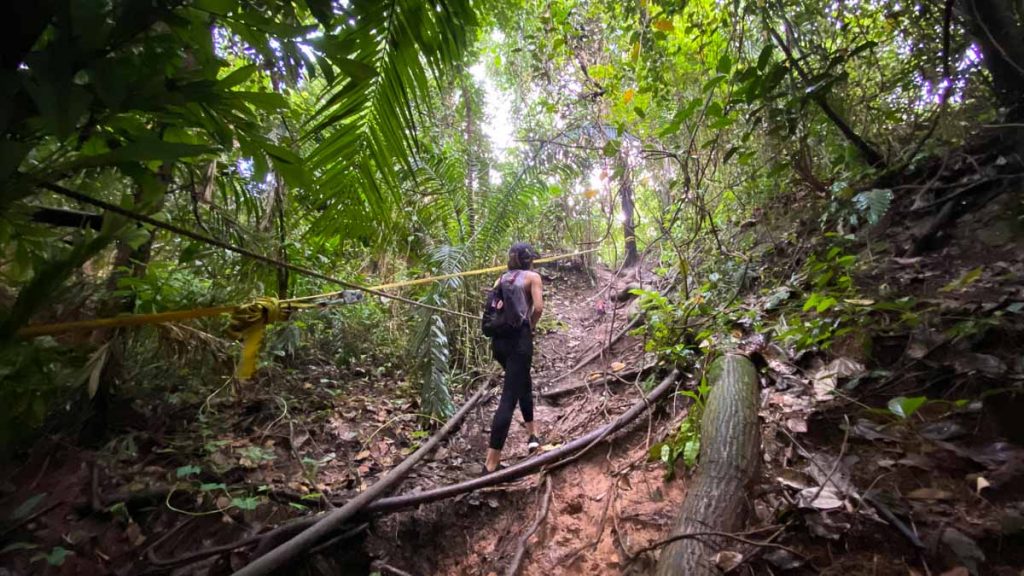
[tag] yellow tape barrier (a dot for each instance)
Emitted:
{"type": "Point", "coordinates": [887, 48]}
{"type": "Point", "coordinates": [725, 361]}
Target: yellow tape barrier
{"type": "Point", "coordinates": [430, 279]}
{"type": "Point", "coordinates": [248, 321]}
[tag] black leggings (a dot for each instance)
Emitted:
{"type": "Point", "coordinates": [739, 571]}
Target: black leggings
{"type": "Point", "coordinates": [515, 354]}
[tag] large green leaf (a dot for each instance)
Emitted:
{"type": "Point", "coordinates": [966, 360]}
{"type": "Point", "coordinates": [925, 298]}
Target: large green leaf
{"type": "Point", "coordinates": [366, 128]}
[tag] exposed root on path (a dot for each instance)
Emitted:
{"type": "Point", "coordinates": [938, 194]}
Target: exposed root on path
{"type": "Point", "coordinates": [542, 513]}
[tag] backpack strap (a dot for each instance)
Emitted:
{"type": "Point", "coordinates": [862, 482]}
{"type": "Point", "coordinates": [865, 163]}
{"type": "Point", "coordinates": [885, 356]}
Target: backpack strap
{"type": "Point", "coordinates": [502, 277]}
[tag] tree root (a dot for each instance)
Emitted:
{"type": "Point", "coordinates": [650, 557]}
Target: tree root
{"type": "Point", "coordinates": [737, 537]}
{"type": "Point", "coordinates": [607, 379]}
{"type": "Point", "coordinates": [389, 569]}
{"type": "Point", "coordinates": [517, 558]}
{"type": "Point", "coordinates": [526, 467]}
{"type": "Point", "coordinates": [335, 519]}
{"type": "Point", "coordinates": [286, 532]}
{"type": "Point", "coordinates": [386, 505]}
{"type": "Point", "coordinates": [597, 354]}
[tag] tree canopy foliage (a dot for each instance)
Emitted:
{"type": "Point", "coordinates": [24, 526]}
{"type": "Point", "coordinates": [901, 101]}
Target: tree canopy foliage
{"type": "Point", "coordinates": [355, 137]}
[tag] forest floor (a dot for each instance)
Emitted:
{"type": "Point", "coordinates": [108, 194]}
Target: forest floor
{"type": "Point", "coordinates": [609, 501]}
{"type": "Point", "coordinates": [851, 484]}
{"type": "Point", "coordinates": [184, 476]}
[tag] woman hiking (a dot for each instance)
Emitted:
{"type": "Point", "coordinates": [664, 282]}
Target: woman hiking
{"type": "Point", "coordinates": [523, 291]}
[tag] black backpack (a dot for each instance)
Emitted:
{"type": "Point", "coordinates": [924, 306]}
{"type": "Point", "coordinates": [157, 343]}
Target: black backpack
{"type": "Point", "coordinates": [500, 318]}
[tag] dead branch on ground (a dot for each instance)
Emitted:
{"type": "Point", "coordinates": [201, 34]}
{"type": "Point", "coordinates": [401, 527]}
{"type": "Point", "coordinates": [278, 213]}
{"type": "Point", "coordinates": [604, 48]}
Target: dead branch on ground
{"type": "Point", "coordinates": [395, 503]}
{"type": "Point", "coordinates": [517, 558]}
{"type": "Point", "coordinates": [737, 537]}
{"type": "Point", "coordinates": [335, 519]}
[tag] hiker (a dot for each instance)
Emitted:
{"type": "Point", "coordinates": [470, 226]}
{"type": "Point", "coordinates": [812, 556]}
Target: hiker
{"type": "Point", "coordinates": [523, 294]}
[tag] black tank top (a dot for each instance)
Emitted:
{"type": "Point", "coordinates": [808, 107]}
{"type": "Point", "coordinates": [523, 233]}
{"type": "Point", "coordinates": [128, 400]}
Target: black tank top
{"type": "Point", "coordinates": [513, 284]}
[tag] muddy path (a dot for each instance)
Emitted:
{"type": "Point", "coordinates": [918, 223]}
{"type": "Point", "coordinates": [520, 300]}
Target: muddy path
{"type": "Point", "coordinates": [602, 506]}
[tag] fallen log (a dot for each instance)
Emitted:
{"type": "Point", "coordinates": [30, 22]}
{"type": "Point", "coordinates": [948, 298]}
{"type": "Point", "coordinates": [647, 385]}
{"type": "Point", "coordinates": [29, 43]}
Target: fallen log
{"type": "Point", "coordinates": [729, 458]}
{"type": "Point", "coordinates": [275, 559]}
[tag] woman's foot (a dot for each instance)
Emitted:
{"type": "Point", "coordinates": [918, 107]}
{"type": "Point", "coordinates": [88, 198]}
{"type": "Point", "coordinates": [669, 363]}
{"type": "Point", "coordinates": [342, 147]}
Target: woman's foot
{"type": "Point", "coordinates": [533, 443]}
{"type": "Point", "coordinates": [484, 471]}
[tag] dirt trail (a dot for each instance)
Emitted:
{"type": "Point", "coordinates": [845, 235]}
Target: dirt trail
{"type": "Point", "coordinates": [221, 467]}
{"type": "Point", "coordinates": [610, 501]}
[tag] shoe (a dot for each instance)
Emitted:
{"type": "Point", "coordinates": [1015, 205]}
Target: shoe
{"type": "Point", "coordinates": [532, 444]}
{"type": "Point", "coordinates": [485, 472]}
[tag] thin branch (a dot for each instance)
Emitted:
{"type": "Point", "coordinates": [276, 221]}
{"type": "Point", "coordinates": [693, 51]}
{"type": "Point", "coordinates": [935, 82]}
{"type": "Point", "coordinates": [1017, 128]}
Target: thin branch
{"type": "Point", "coordinates": [517, 559]}
{"type": "Point", "coordinates": [736, 537]}
{"type": "Point", "coordinates": [835, 466]}
{"type": "Point", "coordinates": [389, 569]}
{"type": "Point", "coordinates": [310, 537]}
{"type": "Point", "coordinates": [872, 156]}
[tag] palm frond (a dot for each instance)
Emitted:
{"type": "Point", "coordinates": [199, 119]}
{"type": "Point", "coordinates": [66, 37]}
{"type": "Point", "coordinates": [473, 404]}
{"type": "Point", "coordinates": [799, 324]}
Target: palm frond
{"type": "Point", "coordinates": [390, 52]}
{"type": "Point", "coordinates": [430, 341]}
{"type": "Point", "coordinates": [435, 393]}
{"type": "Point", "coordinates": [429, 345]}
{"type": "Point", "coordinates": [440, 181]}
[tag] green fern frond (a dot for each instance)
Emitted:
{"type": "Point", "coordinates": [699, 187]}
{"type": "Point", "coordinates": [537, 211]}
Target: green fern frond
{"type": "Point", "coordinates": [430, 347]}
{"type": "Point", "coordinates": [390, 55]}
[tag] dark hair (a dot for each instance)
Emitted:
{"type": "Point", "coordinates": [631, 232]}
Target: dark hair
{"type": "Point", "coordinates": [521, 256]}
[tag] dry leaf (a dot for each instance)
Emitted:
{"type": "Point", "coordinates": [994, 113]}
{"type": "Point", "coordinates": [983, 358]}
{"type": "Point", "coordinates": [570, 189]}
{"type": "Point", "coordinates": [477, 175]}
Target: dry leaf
{"type": "Point", "coordinates": [363, 455]}
{"type": "Point", "coordinates": [783, 559]}
{"type": "Point", "coordinates": [617, 366]}
{"type": "Point", "coordinates": [985, 363]}
{"type": "Point", "coordinates": [798, 425]}
{"type": "Point", "coordinates": [982, 484]}
{"type": "Point", "coordinates": [795, 479]}
{"type": "Point", "coordinates": [664, 25]}
{"type": "Point", "coordinates": [826, 379]}
{"type": "Point", "coordinates": [917, 461]}
{"type": "Point", "coordinates": [827, 499]}
{"type": "Point", "coordinates": [727, 560]}
{"type": "Point", "coordinates": [858, 301]}
{"type": "Point", "coordinates": [96, 362]}
{"type": "Point", "coordinates": [134, 534]}
{"type": "Point", "coordinates": [964, 547]}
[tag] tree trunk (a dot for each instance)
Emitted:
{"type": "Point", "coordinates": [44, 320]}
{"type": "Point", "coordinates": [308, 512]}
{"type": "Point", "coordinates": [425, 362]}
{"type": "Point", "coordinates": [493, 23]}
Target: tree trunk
{"type": "Point", "coordinates": [131, 262]}
{"type": "Point", "coordinates": [628, 226]}
{"type": "Point", "coordinates": [730, 449]}
{"type": "Point", "coordinates": [998, 29]}
{"type": "Point", "coordinates": [282, 236]}
{"type": "Point", "coordinates": [867, 151]}
{"type": "Point", "coordinates": [471, 160]}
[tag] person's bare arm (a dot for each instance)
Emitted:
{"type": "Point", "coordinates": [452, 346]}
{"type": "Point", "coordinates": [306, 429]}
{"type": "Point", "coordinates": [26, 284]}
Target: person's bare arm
{"type": "Point", "coordinates": [537, 295]}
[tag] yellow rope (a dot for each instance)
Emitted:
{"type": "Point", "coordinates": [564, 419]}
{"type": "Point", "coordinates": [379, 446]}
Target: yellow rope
{"type": "Point", "coordinates": [34, 330]}
{"type": "Point", "coordinates": [270, 307]}
{"type": "Point", "coordinates": [430, 279]}
{"type": "Point", "coordinates": [249, 323]}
